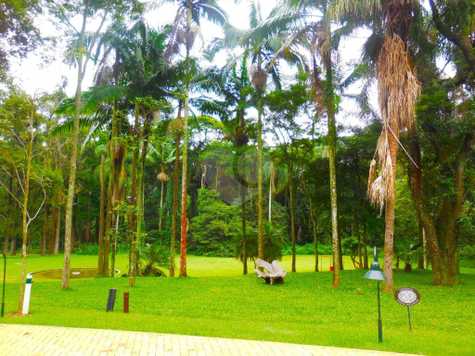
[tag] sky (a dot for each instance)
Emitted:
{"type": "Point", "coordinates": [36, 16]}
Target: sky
{"type": "Point", "coordinates": [44, 69]}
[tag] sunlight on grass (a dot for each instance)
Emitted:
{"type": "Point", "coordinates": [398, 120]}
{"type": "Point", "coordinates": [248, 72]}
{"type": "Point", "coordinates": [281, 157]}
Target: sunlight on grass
{"type": "Point", "coordinates": [218, 301]}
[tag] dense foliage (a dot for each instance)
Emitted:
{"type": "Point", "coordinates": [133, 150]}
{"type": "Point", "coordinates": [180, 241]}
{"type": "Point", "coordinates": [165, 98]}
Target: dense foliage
{"type": "Point", "coordinates": [166, 153]}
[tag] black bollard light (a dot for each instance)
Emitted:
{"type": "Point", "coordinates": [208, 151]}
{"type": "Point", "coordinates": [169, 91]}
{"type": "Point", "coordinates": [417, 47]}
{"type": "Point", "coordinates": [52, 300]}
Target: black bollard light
{"type": "Point", "coordinates": [111, 299]}
{"type": "Point", "coordinates": [377, 275]}
{"type": "Point", "coordinates": [2, 312]}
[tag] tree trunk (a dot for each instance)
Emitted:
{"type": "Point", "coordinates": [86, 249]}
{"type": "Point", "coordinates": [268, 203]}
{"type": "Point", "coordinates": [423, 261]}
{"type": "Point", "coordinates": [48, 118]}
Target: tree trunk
{"type": "Point", "coordinates": [389, 215]}
{"type": "Point", "coordinates": [365, 252]}
{"type": "Point", "coordinates": [102, 207]}
{"type": "Point", "coordinates": [314, 233]}
{"type": "Point", "coordinates": [57, 233]}
{"type": "Point", "coordinates": [329, 100]}
{"type": "Point", "coordinates": [176, 186]}
{"type": "Point", "coordinates": [46, 231]}
{"type": "Point", "coordinates": [184, 191]}
{"type": "Point", "coordinates": [160, 211]}
{"type": "Point", "coordinates": [140, 188]}
{"type": "Point", "coordinates": [293, 236]}
{"type": "Point", "coordinates": [429, 229]}
{"type": "Point", "coordinates": [68, 227]}
{"type": "Point", "coordinates": [24, 220]}
{"type": "Point", "coordinates": [331, 139]}
{"type": "Point", "coordinates": [132, 216]}
{"type": "Point", "coordinates": [242, 192]}
{"type": "Point", "coordinates": [260, 193]}
{"type": "Point", "coordinates": [10, 223]}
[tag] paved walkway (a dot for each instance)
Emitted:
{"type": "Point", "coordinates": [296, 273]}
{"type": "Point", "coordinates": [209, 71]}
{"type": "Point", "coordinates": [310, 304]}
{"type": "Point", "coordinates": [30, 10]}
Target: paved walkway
{"type": "Point", "coordinates": [32, 340]}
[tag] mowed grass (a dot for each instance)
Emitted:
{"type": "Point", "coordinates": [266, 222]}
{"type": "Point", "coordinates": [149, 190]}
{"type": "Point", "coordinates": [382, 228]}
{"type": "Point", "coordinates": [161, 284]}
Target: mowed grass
{"type": "Point", "coordinates": [216, 300]}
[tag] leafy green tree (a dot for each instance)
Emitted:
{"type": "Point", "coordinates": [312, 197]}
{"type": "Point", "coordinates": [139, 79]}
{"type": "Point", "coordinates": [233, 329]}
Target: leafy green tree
{"type": "Point", "coordinates": [184, 31]}
{"type": "Point", "coordinates": [398, 90]}
{"type": "Point", "coordinates": [17, 29]}
{"type": "Point", "coordinates": [216, 227]}
{"type": "Point", "coordinates": [20, 124]}
{"type": "Point", "coordinates": [80, 52]}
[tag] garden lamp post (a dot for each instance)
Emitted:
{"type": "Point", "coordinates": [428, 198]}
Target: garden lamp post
{"type": "Point", "coordinates": [377, 275]}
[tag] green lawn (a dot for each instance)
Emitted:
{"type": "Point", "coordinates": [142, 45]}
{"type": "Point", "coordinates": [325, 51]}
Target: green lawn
{"type": "Point", "coordinates": [217, 301]}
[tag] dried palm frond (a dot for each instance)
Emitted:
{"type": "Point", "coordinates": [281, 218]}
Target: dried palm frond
{"type": "Point", "coordinates": [378, 192]}
{"type": "Point", "coordinates": [386, 171]}
{"type": "Point", "coordinates": [373, 174]}
{"type": "Point", "coordinates": [398, 91]}
{"type": "Point", "coordinates": [258, 77]}
{"type": "Point", "coordinates": [162, 177]}
{"type": "Point", "coordinates": [398, 87]}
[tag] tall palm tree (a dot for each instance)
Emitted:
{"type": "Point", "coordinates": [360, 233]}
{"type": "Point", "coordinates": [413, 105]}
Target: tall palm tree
{"type": "Point", "coordinates": [306, 24]}
{"type": "Point", "coordinates": [234, 89]}
{"type": "Point", "coordinates": [398, 91]}
{"type": "Point", "coordinates": [138, 83]}
{"type": "Point", "coordinates": [262, 52]}
{"type": "Point", "coordinates": [185, 29]}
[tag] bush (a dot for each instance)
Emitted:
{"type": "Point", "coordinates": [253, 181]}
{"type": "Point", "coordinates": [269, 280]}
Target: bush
{"type": "Point", "coordinates": [307, 249]}
{"type": "Point", "coordinates": [216, 227]}
{"type": "Point", "coordinates": [468, 252]}
{"type": "Point", "coordinates": [93, 249]}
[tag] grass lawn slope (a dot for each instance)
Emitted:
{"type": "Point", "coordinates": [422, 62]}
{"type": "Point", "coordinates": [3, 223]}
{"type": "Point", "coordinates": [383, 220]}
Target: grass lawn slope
{"type": "Point", "coordinates": [217, 301]}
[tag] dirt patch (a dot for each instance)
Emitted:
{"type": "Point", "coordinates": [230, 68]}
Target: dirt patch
{"type": "Point", "coordinates": [58, 273]}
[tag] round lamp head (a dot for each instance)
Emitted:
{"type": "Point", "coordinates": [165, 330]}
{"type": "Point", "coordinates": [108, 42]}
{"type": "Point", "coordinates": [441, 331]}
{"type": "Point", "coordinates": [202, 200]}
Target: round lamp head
{"type": "Point", "coordinates": [375, 272]}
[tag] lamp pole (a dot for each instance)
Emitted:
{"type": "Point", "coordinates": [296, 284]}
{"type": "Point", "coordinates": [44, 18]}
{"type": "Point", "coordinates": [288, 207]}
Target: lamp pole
{"type": "Point", "coordinates": [380, 322]}
{"type": "Point", "coordinates": [377, 275]}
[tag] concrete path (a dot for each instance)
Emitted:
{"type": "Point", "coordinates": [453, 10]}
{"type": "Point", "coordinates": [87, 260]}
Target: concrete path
{"type": "Point", "coordinates": [33, 340]}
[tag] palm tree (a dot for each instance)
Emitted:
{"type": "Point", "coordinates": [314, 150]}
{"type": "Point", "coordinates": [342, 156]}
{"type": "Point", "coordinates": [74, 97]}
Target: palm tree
{"type": "Point", "coordinates": [398, 91]}
{"type": "Point", "coordinates": [262, 52]}
{"type": "Point", "coordinates": [234, 89]}
{"type": "Point", "coordinates": [185, 28]}
{"type": "Point", "coordinates": [137, 83]}
{"type": "Point", "coordinates": [80, 52]}
{"type": "Point", "coordinates": [306, 24]}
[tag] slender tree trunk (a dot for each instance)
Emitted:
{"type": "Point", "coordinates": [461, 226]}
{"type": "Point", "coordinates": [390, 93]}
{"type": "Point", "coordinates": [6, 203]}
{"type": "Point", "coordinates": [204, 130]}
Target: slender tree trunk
{"type": "Point", "coordinates": [293, 236]}
{"type": "Point", "coordinates": [46, 231]}
{"type": "Point", "coordinates": [260, 193]}
{"type": "Point", "coordinates": [140, 188]}
{"type": "Point", "coordinates": [271, 177]}
{"type": "Point", "coordinates": [102, 207]}
{"type": "Point", "coordinates": [242, 192]}
{"type": "Point", "coordinates": [68, 227]}
{"type": "Point", "coordinates": [389, 216]}
{"type": "Point", "coordinates": [184, 191]}
{"type": "Point", "coordinates": [24, 219]}
{"type": "Point", "coordinates": [429, 229]}
{"type": "Point", "coordinates": [57, 232]}
{"type": "Point", "coordinates": [114, 245]}
{"type": "Point", "coordinates": [331, 139]}
{"type": "Point", "coordinates": [132, 218]}
{"type": "Point", "coordinates": [329, 99]}
{"type": "Point", "coordinates": [176, 186]}
{"type": "Point", "coordinates": [10, 222]}
{"type": "Point", "coordinates": [160, 211]}
{"type": "Point", "coordinates": [52, 233]}
{"type": "Point", "coordinates": [314, 233]}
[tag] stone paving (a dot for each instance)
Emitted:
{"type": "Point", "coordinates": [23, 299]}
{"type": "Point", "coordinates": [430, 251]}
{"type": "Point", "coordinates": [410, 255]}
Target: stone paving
{"type": "Point", "coordinates": [34, 340]}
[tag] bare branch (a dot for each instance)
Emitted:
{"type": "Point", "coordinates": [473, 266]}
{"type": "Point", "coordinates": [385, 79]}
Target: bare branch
{"type": "Point", "coordinates": [30, 220]}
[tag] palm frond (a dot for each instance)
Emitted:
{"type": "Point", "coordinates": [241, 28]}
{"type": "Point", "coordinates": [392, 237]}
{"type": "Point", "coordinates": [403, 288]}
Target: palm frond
{"type": "Point", "coordinates": [359, 8]}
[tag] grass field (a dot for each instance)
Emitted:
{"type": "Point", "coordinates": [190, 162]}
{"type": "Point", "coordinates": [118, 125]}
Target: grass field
{"type": "Point", "coordinates": [217, 301]}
